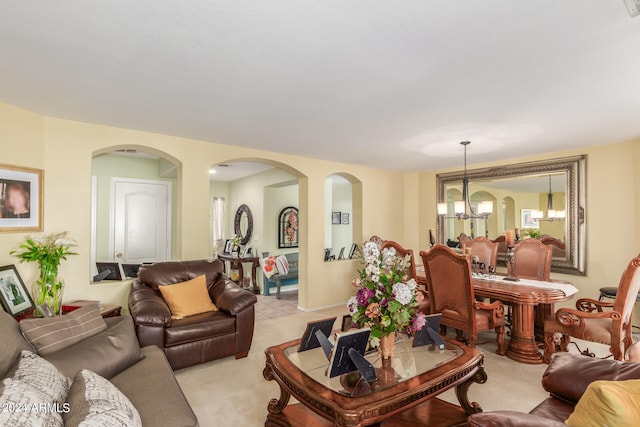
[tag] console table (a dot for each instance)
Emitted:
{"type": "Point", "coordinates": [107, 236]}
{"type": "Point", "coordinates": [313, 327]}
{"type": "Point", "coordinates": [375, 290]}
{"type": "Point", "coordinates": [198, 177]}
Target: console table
{"type": "Point", "coordinates": [237, 263]}
{"type": "Point", "coordinates": [404, 394]}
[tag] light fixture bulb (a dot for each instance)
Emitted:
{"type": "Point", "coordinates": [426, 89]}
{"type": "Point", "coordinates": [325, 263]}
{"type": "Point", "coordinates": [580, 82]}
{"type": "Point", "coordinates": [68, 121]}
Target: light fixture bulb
{"type": "Point", "coordinates": [485, 207]}
{"type": "Point", "coordinates": [442, 209]}
{"type": "Point", "coordinates": [459, 207]}
{"type": "Point", "coordinates": [212, 171]}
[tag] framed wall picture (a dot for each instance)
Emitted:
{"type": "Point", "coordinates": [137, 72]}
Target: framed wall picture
{"type": "Point", "coordinates": [345, 218]}
{"type": "Point", "coordinates": [21, 199]}
{"type": "Point", "coordinates": [288, 223]}
{"type": "Point", "coordinates": [527, 219]}
{"type": "Point", "coordinates": [336, 217]}
{"type": "Point", "coordinates": [13, 295]}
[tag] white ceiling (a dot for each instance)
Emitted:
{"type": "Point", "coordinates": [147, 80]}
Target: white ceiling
{"type": "Point", "coordinates": [391, 84]}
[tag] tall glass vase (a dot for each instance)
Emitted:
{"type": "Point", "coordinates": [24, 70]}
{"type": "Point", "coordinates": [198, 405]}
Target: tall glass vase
{"type": "Point", "coordinates": [49, 289]}
{"type": "Point", "coordinates": [387, 347]}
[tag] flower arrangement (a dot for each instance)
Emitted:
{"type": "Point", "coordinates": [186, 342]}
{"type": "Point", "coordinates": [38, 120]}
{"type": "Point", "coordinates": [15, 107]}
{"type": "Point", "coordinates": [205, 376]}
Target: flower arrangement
{"type": "Point", "coordinates": [292, 226]}
{"type": "Point", "coordinates": [48, 251]}
{"type": "Point", "coordinates": [235, 241]}
{"type": "Point", "coordinates": [386, 300]}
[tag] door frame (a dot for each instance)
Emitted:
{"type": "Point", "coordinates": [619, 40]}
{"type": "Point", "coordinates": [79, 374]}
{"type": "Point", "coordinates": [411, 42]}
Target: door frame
{"type": "Point", "coordinates": [112, 210]}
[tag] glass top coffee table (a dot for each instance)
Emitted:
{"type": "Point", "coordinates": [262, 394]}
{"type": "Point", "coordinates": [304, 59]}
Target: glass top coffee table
{"type": "Point", "coordinates": [404, 392]}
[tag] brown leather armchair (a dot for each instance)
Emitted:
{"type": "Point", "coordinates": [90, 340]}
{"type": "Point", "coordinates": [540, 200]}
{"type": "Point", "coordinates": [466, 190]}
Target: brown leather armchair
{"type": "Point", "coordinates": [194, 339]}
{"type": "Point", "coordinates": [566, 379]}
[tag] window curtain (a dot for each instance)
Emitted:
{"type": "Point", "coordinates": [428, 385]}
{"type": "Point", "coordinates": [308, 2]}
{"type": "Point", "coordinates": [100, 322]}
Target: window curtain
{"type": "Point", "coordinates": [218, 219]}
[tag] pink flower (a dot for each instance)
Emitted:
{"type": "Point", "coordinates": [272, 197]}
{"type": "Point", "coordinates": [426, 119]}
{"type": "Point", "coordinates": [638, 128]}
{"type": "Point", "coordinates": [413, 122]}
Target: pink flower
{"type": "Point", "coordinates": [419, 321]}
{"type": "Point", "coordinates": [373, 310]}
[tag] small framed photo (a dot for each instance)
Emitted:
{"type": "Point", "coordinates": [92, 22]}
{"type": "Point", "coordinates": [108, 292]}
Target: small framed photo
{"type": "Point", "coordinates": [21, 199]}
{"type": "Point", "coordinates": [336, 217]}
{"type": "Point", "coordinates": [345, 218]}
{"type": "Point", "coordinates": [309, 340]}
{"type": "Point", "coordinates": [13, 294]}
{"type": "Point", "coordinates": [528, 220]}
{"type": "Point", "coordinates": [227, 247]}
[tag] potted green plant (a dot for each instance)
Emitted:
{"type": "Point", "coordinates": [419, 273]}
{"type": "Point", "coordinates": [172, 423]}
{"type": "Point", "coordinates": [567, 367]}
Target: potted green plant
{"type": "Point", "coordinates": [48, 251]}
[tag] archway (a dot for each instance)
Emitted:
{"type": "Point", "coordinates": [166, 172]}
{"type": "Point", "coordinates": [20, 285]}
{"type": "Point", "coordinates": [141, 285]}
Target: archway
{"type": "Point", "coordinates": [125, 180]}
{"type": "Point", "coordinates": [266, 188]}
{"type": "Point", "coordinates": [342, 216]}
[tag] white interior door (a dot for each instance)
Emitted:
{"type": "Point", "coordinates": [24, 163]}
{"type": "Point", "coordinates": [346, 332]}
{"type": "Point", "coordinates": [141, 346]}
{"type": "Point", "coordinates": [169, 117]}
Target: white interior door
{"type": "Point", "coordinates": [141, 225]}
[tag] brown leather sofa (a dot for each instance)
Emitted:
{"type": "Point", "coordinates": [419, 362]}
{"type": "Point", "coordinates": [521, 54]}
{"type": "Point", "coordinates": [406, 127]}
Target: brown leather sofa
{"type": "Point", "coordinates": [566, 379]}
{"type": "Point", "coordinates": [195, 339]}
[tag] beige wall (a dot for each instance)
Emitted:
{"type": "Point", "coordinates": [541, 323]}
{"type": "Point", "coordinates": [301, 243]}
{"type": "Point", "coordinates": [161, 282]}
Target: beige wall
{"type": "Point", "coordinates": [64, 149]}
{"type": "Point", "coordinates": [395, 206]}
{"type": "Point", "coordinates": [613, 223]}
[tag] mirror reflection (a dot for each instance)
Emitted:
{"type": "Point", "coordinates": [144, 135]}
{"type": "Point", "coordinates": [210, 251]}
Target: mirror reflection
{"type": "Point", "coordinates": [534, 205]}
{"type": "Point", "coordinates": [544, 200]}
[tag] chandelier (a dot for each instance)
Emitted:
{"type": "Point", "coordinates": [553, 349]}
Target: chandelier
{"type": "Point", "coordinates": [552, 214]}
{"type": "Point", "coordinates": [462, 209]}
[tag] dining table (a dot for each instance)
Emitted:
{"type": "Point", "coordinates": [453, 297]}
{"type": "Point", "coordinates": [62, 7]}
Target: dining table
{"type": "Point", "coordinates": [532, 301]}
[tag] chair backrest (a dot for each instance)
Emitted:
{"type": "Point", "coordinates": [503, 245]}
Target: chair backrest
{"type": "Point", "coordinates": [500, 241]}
{"type": "Point", "coordinates": [462, 238]}
{"type": "Point", "coordinates": [628, 291]}
{"type": "Point", "coordinates": [558, 246]}
{"type": "Point", "coordinates": [450, 288]}
{"type": "Point", "coordinates": [532, 260]}
{"type": "Point", "coordinates": [402, 252]}
{"type": "Point", "coordinates": [484, 249]}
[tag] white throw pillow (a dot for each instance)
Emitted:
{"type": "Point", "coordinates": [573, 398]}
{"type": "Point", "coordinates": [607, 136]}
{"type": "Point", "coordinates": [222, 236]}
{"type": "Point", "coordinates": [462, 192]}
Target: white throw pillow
{"type": "Point", "coordinates": [282, 264]}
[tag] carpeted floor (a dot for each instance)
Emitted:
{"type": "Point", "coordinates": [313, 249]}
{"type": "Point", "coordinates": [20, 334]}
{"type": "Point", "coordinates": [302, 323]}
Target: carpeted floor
{"type": "Point", "coordinates": [233, 393]}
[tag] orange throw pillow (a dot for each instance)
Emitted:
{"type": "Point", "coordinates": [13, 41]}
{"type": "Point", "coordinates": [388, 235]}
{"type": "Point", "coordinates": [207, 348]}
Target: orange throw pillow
{"type": "Point", "coordinates": [188, 298]}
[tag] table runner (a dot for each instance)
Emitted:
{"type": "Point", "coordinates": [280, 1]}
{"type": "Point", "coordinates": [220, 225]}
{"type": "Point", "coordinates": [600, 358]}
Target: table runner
{"type": "Point", "coordinates": [566, 288]}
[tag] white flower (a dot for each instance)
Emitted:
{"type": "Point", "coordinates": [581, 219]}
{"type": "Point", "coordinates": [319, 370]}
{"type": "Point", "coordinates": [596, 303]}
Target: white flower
{"type": "Point", "coordinates": [352, 305]}
{"type": "Point", "coordinates": [402, 292]}
{"type": "Point", "coordinates": [411, 283]}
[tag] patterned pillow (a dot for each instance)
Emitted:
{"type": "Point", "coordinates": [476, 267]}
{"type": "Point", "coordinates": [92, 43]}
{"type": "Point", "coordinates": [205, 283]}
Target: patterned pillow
{"type": "Point", "coordinates": [51, 334]}
{"type": "Point", "coordinates": [282, 264]}
{"type": "Point", "coordinates": [269, 267]}
{"type": "Point", "coordinates": [33, 393]}
{"type": "Point", "coordinates": [95, 402]}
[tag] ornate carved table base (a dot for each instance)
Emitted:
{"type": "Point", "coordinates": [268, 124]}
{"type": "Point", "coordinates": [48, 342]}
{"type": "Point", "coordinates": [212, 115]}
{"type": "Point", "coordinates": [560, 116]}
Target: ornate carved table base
{"type": "Point", "coordinates": [417, 407]}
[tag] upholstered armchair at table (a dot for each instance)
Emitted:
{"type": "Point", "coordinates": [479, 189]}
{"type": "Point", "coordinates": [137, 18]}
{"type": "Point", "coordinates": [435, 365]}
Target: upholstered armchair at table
{"type": "Point", "coordinates": [485, 249]}
{"type": "Point", "coordinates": [201, 337]}
{"type": "Point", "coordinates": [532, 260]}
{"type": "Point", "coordinates": [451, 293]}
{"type": "Point", "coordinates": [597, 321]}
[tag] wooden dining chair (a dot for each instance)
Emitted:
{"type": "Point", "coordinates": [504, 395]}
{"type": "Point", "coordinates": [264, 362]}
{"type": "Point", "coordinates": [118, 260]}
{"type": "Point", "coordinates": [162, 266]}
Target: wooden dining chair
{"type": "Point", "coordinates": [402, 252]}
{"type": "Point", "coordinates": [451, 293]}
{"type": "Point", "coordinates": [532, 260]}
{"type": "Point", "coordinates": [597, 321]}
{"type": "Point", "coordinates": [485, 249]}
{"type": "Point", "coordinates": [462, 238]}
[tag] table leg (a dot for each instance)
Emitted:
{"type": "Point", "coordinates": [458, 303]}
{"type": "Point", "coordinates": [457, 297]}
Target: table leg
{"type": "Point", "coordinates": [276, 406]}
{"type": "Point", "coordinates": [543, 312]}
{"type": "Point", "coordinates": [480, 377]}
{"type": "Point", "coordinates": [254, 277]}
{"type": "Point", "coordinates": [240, 273]}
{"type": "Point", "coordinates": [522, 346]}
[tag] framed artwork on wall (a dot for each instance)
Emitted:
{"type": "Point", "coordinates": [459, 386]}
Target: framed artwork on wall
{"type": "Point", "coordinates": [345, 218]}
{"type": "Point", "coordinates": [13, 294]}
{"type": "Point", "coordinates": [527, 219]}
{"type": "Point", "coordinates": [21, 199]}
{"type": "Point", "coordinates": [336, 217]}
{"type": "Point", "coordinates": [288, 227]}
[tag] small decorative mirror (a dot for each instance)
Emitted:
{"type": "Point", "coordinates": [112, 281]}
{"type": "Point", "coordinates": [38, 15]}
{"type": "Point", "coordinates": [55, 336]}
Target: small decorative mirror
{"type": "Point", "coordinates": [243, 224]}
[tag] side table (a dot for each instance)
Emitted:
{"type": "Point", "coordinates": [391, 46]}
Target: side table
{"type": "Point", "coordinates": [237, 263]}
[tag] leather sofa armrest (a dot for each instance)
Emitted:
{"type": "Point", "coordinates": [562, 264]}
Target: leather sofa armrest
{"type": "Point", "coordinates": [568, 375]}
{"type": "Point", "coordinates": [230, 298]}
{"type": "Point", "coordinates": [511, 419]}
{"type": "Point", "coordinates": [147, 307]}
